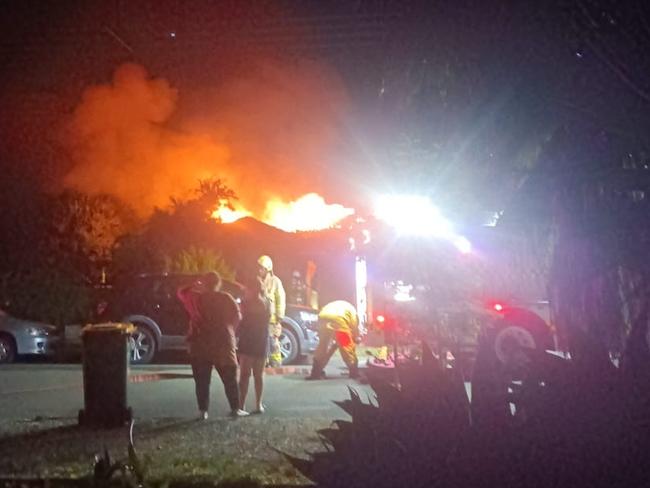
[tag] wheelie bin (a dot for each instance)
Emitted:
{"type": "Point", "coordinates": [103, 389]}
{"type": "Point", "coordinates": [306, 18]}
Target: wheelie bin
{"type": "Point", "coordinates": [105, 375]}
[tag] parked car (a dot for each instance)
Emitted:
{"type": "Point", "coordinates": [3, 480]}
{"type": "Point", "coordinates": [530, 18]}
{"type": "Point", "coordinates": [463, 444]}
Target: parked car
{"type": "Point", "coordinates": [24, 337]}
{"type": "Point", "coordinates": [150, 303]}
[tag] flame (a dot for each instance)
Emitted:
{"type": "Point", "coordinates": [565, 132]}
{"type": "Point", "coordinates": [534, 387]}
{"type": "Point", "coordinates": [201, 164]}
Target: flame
{"type": "Point", "coordinates": [127, 135]}
{"type": "Point", "coordinates": [309, 212]}
{"type": "Point", "coordinates": [228, 215]}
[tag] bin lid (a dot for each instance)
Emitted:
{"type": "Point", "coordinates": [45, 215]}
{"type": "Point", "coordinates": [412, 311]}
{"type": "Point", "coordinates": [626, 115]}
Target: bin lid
{"type": "Point", "coordinates": [121, 327]}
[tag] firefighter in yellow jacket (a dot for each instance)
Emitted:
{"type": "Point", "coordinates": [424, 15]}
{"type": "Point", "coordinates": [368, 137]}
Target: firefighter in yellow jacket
{"type": "Point", "coordinates": [338, 329]}
{"type": "Point", "coordinates": [274, 291]}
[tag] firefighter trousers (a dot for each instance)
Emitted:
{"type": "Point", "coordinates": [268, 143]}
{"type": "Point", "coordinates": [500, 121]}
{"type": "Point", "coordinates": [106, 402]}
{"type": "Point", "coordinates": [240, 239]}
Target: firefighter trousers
{"type": "Point", "coordinates": [275, 353]}
{"type": "Point", "coordinates": [329, 341]}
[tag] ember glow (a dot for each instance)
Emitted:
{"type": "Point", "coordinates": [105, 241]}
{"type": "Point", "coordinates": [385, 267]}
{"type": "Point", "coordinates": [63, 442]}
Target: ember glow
{"type": "Point", "coordinates": [309, 212]}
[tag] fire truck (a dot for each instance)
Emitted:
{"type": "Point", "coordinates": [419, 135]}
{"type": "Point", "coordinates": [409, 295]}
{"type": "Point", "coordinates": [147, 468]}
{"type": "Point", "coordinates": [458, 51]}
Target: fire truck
{"type": "Point", "coordinates": [416, 289]}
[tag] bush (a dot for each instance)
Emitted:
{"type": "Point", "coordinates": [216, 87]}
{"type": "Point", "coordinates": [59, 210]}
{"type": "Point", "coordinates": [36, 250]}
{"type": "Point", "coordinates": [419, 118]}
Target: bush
{"type": "Point", "coordinates": [194, 260]}
{"type": "Point", "coordinates": [578, 422]}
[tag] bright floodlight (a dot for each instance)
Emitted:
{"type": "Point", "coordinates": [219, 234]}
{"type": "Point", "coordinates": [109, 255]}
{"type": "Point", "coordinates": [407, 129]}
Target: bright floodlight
{"type": "Point", "coordinates": [412, 215]}
{"type": "Point", "coordinates": [463, 245]}
{"type": "Point", "coordinates": [403, 293]}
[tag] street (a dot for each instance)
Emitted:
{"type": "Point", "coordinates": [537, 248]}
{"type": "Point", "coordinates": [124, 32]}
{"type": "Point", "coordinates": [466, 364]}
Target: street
{"type": "Point", "coordinates": [29, 391]}
{"type": "Point", "coordinates": [39, 435]}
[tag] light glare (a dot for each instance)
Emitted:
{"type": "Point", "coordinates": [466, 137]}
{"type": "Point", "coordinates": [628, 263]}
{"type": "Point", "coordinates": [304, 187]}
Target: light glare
{"type": "Point", "coordinates": [463, 245]}
{"type": "Point", "coordinates": [414, 215]}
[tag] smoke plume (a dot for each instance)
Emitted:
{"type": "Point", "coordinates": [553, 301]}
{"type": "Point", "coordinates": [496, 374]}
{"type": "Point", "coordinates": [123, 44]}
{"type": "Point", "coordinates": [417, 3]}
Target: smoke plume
{"type": "Point", "coordinates": [272, 132]}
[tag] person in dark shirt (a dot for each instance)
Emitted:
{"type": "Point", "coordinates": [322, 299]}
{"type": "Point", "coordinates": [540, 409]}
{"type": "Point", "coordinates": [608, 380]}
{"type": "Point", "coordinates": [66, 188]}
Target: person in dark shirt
{"type": "Point", "coordinates": [213, 315]}
{"type": "Point", "coordinates": [254, 342]}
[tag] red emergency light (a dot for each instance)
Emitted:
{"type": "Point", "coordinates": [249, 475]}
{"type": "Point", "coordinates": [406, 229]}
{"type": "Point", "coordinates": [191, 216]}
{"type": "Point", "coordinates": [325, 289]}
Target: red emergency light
{"type": "Point", "coordinates": [496, 306]}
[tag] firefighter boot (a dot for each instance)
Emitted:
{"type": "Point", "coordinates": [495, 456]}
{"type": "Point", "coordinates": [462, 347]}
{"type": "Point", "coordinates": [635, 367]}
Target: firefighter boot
{"type": "Point", "coordinates": [275, 356]}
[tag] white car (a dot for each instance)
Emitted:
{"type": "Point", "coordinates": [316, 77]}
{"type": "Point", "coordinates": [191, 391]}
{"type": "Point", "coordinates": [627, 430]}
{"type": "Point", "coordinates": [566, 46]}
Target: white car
{"type": "Point", "coordinates": [18, 337]}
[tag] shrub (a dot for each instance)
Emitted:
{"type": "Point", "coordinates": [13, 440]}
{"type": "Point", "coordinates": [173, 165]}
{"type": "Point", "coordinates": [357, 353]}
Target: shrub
{"type": "Point", "coordinates": [578, 422]}
{"type": "Point", "coordinates": [194, 260]}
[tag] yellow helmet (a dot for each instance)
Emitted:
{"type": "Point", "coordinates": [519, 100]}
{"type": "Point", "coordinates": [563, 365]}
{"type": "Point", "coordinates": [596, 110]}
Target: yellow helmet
{"type": "Point", "coordinates": [266, 263]}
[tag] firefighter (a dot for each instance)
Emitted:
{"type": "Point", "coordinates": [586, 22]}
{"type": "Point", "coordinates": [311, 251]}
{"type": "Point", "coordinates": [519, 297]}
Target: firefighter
{"type": "Point", "coordinates": [274, 291]}
{"type": "Point", "coordinates": [338, 329]}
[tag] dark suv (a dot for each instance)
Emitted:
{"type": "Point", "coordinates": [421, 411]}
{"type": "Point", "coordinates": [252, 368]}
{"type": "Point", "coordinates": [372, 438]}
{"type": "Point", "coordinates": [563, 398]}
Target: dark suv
{"type": "Point", "coordinates": [150, 303]}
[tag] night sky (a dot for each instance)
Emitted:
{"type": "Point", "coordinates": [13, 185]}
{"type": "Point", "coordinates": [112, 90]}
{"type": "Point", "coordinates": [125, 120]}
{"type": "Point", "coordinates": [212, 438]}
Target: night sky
{"type": "Point", "coordinates": [453, 99]}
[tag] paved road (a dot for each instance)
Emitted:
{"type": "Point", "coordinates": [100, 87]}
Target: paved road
{"type": "Point", "coordinates": [39, 437]}
{"type": "Point", "coordinates": [29, 391]}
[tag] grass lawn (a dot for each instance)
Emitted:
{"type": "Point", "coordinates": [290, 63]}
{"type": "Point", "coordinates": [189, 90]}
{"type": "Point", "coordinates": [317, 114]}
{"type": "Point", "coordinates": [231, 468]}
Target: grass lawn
{"type": "Point", "coordinates": [179, 449]}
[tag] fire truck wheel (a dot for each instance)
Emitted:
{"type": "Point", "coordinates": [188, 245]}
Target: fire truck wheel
{"type": "Point", "coordinates": [509, 341]}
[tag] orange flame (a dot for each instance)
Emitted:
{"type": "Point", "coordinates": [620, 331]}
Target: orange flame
{"type": "Point", "coordinates": [227, 215]}
{"type": "Point", "coordinates": [309, 212]}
